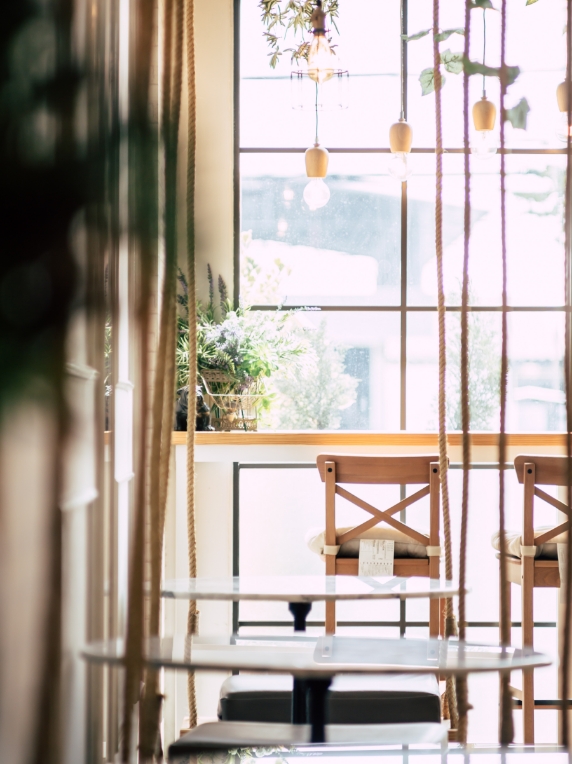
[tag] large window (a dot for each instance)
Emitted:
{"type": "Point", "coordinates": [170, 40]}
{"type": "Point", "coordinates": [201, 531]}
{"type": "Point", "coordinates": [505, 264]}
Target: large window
{"type": "Point", "coordinates": [362, 268]}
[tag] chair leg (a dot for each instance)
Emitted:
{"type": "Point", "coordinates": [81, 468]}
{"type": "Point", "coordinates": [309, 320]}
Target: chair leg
{"type": "Point", "coordinates": [527, 641]}
{"type": "Point", "coordinates": [330, 617]}
{"type": "Point", "coordinates": [442, 610]}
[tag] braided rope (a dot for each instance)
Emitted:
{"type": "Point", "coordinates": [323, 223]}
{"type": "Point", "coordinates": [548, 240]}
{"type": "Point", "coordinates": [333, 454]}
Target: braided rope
{"type": "Point", "coordinates": [450, 623]}
{"type": "Point", "coordinates": [135, 605]}
{"type": "Point", "coordinates": [462, 688]}
{"type": "Point", "coordinates": [506, 720]}
{"type": "Point", "coordinates": [192, 621]}
{"type": "Point", "coordinates": [164, 393]}
{"type": "Point", "coordinates": [565, 666]}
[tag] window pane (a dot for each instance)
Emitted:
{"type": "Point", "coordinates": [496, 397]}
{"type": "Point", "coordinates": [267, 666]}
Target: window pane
{"type": "Point", "coordinates": [535, 43]}
{"type": "Point", "coordinates": [371, 53]}
{"type": "Point", "coordinates": [349, 377]}
{"type": "Point", "coordinates": [534, 208]}
{"type": "Point", "coordinates": [535, 383]}
{"type": "Point", "coordinates": [346, 253]}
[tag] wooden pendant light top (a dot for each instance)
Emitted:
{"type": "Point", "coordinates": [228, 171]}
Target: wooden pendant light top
{"type": "Point", "coordinates": [484, 114]}
{"type": "Point", "coordinates": [562, 96]}
{"type": "Point", "coordinates": [317, 161]}
{"type": "Point", "coordinates": [400, 137]}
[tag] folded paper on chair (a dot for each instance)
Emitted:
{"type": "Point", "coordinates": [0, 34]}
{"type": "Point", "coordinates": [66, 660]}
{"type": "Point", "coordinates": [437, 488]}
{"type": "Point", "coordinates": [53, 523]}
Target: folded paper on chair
{"type": "Point", "coordinates": [376, 557]}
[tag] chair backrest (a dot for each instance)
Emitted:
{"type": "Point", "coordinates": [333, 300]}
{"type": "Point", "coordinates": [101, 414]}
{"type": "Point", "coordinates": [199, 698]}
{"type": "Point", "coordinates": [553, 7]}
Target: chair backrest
{"type": "Point", "coordinates": [388, 470]}
{"type": "Point", "coordinates": [549, 470]}
{"type": "Point", "coordinates": [336, 469]}
{"type": "Point", "coordinates": [533, 471]}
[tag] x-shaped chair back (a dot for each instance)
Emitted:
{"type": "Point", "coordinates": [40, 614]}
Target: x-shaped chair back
{"type": "Point", "coordinates": [338, 469]}
{"type": "Point", "coordinates": [533, 471]}
{"type": "Point", "coordinates": [528, 572]}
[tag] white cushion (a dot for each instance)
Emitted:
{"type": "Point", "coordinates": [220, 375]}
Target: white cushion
{"type": "Point", "coordinates": [513, 540]}
{"type": "Point", "coordinates": [405, 546]}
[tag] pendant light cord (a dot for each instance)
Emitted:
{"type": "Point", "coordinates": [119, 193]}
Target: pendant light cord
{"type": "Point", "coordinates": [484, 48]}
{"type": "Point", "coordinates": [316, 109]}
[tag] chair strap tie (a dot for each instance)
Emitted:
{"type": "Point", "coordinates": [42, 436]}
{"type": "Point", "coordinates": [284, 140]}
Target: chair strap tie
{"type": "Point", "coordinates": [331, 549]}
{"type": "Point", "coordinates": [433, 551]}
{"type": "Point", "coordinates": [528, 551]}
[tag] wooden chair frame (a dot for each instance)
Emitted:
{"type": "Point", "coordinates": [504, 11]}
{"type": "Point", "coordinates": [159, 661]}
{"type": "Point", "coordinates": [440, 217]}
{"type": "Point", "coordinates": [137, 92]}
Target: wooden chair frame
{"type": "Point", "coordinates": [529, 572]}
{"type": "Point", "coordinates": [382, 470]}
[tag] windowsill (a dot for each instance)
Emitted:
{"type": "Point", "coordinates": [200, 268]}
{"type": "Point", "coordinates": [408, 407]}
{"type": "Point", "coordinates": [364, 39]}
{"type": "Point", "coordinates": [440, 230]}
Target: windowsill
{"type": "Point", "coordinates": [364, 438]}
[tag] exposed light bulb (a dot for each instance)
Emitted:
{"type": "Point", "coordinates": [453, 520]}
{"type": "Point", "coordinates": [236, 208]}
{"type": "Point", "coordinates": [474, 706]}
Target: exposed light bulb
{"type": "Point", "coordinates": [316, 194]}
{"type": "Point", "coordinates": [484, 144]}
{"type": "Point", "coordinates": [563, 129]}
{"type": "Point", "coordinates": [321, 59]}
{"type": "Point", "coordinates": [400, 166]}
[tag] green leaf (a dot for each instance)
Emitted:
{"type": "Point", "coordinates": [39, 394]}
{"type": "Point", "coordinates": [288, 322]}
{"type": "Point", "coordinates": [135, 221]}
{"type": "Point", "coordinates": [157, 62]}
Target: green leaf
{"type": "Point", "coordinates": [446, 33]}
{"type": "Point", "coordinates": [274, 58]}
{"type": "Point", "coordinates": [416, 36]}
{"type": "Point", "coordinates": [474, 67]}
{"type": "Point", "coordinates": [531, 2]}
{"type": "Point", "coordinates": [484, 4]}
{"type": "Point", "coordinates": [518, 115]}
{"type": "Point", "coordinates": [453, 62]}
{"type": "Point", "coordinates": [427, 80]}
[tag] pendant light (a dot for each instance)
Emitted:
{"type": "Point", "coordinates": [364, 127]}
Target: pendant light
{"type": "Point", "coordinates": [563, 128]}
{"type": "Point", "coordinates": [316, 193]}
{"type": "Point", "coordinates": [484, 143]}
{"type": "Point", "coordinates": [400, 133]}
{"type": "Point", "coordinates": [321, 59]}
{"type": "Point", "coordinates": [400, 139]}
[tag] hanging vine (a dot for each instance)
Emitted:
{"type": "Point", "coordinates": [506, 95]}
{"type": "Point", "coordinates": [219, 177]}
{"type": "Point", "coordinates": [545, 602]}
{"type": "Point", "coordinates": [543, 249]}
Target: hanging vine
{"type": "Point", "coordinates": [283, 16]}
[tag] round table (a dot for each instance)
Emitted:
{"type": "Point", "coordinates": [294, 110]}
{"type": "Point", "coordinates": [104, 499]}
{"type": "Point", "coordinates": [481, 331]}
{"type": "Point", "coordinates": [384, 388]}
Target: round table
{"type": "Point", "coordinates": [301, 591]}
{"type": "Point", "coordinates": [316, 662]}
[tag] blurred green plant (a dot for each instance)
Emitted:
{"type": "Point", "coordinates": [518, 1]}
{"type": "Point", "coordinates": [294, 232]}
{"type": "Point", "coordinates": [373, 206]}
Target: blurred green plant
{"type": "Point", "coordinates": [247, 346]}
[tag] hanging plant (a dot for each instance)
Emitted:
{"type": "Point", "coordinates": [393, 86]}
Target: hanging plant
{"type": "Point", "coordinates": [281, 16]}
{"type": "Point", "coordinates": [455, 62]}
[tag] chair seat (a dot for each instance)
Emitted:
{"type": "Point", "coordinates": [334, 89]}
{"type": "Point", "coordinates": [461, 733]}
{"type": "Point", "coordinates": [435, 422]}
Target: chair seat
{"type": "Point", "coordinates": [353, 699]}
{"type": "Point", "coordinates": [547, 551]}
{"type": "Point", "coordinates": [405, 546]}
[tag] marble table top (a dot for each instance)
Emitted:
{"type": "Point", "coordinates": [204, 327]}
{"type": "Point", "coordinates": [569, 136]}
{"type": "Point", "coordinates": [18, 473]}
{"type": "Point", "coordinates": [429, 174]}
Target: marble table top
{"type": "Point", "coordinates": [307, 588]}
{"type": "Point", "coordinates": [324, 656]}
{"type": "Point", "coordinates": [233, 735]}
{"type": "Point", "coordinates": [335, 753]}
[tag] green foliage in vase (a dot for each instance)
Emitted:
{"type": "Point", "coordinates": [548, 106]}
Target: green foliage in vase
{"type": "Point", "coordinates": [281, 16]}
{"type": "Point", "coordinates": [247, 346]}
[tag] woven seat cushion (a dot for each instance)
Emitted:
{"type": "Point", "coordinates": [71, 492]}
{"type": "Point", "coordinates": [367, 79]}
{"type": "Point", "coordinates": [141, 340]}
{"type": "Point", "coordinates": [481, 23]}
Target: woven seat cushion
{"type": "Point", "coordinates": [353, 699]}
{"type": "Point", "coordinates": [546, 551]}
{"type": "Point", "coordinates": [405, 546]}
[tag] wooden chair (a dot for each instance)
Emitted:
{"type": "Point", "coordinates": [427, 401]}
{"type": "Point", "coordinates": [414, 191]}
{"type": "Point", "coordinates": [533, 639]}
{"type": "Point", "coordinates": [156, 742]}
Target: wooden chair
{"type": "Point", "coordinates": [528, 565]}
{"type": "Point", "coordinates": [337, 470]}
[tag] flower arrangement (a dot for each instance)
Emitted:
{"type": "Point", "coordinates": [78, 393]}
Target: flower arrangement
{"type": "Point", "coordinates": [237, 352]}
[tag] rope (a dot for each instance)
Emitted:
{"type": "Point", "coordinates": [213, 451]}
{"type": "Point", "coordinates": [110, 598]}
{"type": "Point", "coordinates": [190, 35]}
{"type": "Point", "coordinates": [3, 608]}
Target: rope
{"type": "Point", "coordinates": [462, 688]}
{"type": "Point", "coordinates": [450, 624]}
{"type": "Point", "coordinates": [164, 392]}
{"type": "Point", "coordinates": [506, 720]}
{"type": "Point", "coordinates": [192, 620]}
{"type": "Point", "coordinates": [565, 680]}
{"type": "Point", "coordinates": [144, 150]}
